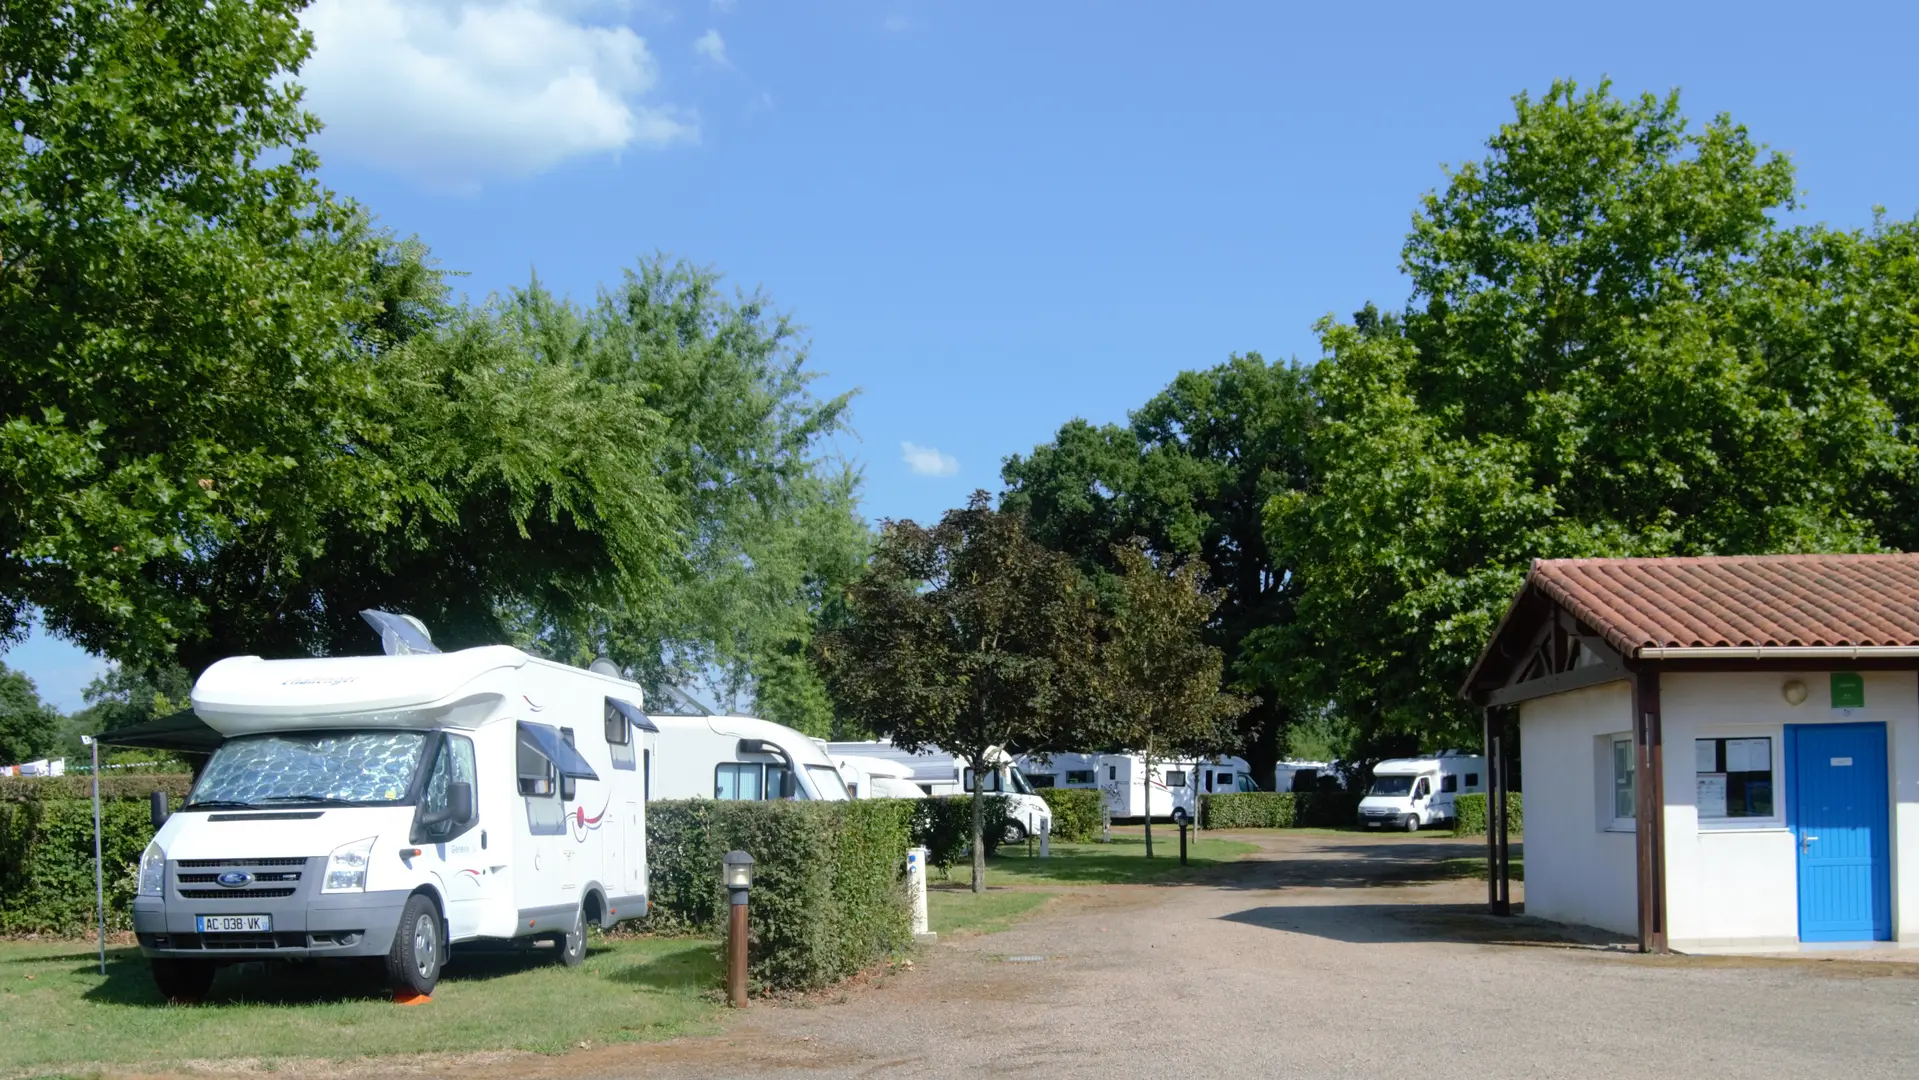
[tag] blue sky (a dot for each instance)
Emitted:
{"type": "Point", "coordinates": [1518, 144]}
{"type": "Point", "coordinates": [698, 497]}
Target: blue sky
{"type": "Point", "coordinates": [994, 217]}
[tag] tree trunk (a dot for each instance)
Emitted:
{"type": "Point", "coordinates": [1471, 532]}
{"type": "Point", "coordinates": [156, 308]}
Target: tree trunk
{"type": "Point", "coordinates": [979, 830]}
{"type": "Point", "coordinates": [1149, 804]}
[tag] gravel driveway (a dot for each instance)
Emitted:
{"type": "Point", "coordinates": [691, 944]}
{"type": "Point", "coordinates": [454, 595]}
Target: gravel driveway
{"type": "Point", "coordinates": [1324, 956]}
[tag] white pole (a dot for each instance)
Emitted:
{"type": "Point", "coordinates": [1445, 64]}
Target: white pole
{"type": "Point", "coordinates": [99, 878]}
{"type": "Point", "coordinates": [1046, 841]}
{"type": "Point", "coordinates": [916, 890]}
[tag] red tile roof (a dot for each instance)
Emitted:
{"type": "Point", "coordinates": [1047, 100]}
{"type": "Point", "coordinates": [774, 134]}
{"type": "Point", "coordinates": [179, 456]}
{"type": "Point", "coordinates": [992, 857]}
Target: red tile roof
{"type": "Point", "coordinates": [1739, 600]}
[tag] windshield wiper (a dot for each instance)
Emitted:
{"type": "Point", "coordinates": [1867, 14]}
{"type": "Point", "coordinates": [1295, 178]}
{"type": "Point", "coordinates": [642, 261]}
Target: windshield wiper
{"type": "Point", "coordinates": [316, 800]}
{"type": "Point", "coordinates": [217, 804]}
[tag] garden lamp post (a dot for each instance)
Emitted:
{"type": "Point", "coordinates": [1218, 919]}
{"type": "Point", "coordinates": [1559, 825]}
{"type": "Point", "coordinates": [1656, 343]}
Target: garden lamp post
{"type": "Point", "coordinates": [736, 873]}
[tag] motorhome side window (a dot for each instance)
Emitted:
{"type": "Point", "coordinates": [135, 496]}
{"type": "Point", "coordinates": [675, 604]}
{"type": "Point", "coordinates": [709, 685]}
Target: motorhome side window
{"type": "Point", "coordinates": [1472, 780]}
{"type": "Point", "coordinates": [1449, 783]}
{"type": "Point", "coordinates": [739, 780]}
{"type": "Point", "coordinates": [1176, 778]}
{"type": "Point", "coordinates": [1422, 789]}
{"type": "Point", "coordinates": [619, 738]}
{"type": "Point", "coordinates": [540, 787]}
{"type": "Point", "coordinates": [1079, 776]}
{"type": "Point", "coordinates": [569, 787]}
{"type": "Point", "coordinates": [453, 762]}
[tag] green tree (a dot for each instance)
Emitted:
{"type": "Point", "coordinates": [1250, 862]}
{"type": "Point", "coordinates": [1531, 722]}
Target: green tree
{"type": "Point", "coordinates": [1611, 349]}
{"type": "Point", "coordinates": [29, 728]}
{"type": "Point", "coordinates": [1191, 474]}
{"type": "Point", "coordinates": [968, 636]}
{"type": "Point", "coordinates": [173, 281]}
{"type": "Point", "coordinates": [1156, 684]}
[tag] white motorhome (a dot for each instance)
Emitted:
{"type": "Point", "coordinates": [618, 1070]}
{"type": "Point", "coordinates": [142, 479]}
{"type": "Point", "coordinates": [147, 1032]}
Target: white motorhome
{"type": "Point", "coordinates": [1122, 779]}
{"type": "Point", "coordinates": [936, 772]}
{"type": "Point", "coordinates": [1302, 775]}
{"type": "Point", "coordinates": [741, 757]}
{"type": "Point", "coordinates": [392, 806]}
{"type": "Point", "coordinates": [1412, 793]}
{"type": "Point", "coordinates": [877, 778]}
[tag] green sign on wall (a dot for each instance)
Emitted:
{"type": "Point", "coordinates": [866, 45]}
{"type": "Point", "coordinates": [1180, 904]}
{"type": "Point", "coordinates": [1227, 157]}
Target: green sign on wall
{"type": "Point", "coordinates": [1848, 690]}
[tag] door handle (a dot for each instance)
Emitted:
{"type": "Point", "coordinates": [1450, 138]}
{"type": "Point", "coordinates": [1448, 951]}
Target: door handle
{"type": "Point", "coordinates": [1805, 842]}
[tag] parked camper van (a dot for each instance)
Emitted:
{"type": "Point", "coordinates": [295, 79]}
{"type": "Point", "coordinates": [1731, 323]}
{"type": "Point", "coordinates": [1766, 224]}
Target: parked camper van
{"type": "Point", "coordinates": [1302, 775]}
{"type": "Point", "coordinates": [741, 757]}
{"type": "Point", "coordinates": [1122, 779]}
{"type": "Point", "coordinates": [877, 778]}
{"type": "Point", "coordinates": [1412, 793]}
{"type": "Point", "coordinates": [936, 772]}
{"type": "Point", "coordinates": [392, 806]}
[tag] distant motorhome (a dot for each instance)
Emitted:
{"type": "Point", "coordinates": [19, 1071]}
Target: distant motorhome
{"type": "Point", "coordinates": [1122, 778]}
{"type": "Point", "coordinates": [936, 772]}
{"type": "Point", "coordinates": [1413, 793]}
{"type": "Point", "coordinates": [1305, 775]}
{"type": "Point", "coordinates": [877, 778]}
{"type": "Point", "coordinates": [741, 758]}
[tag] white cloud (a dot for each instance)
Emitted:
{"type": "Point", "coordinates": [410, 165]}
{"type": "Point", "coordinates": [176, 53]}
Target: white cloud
{"type": "Point", "coordinates": [711, 46]}
{"type": "Point", "coordinates": [455, 91]}
{"type": "Point", "coordinates": [926, 461]}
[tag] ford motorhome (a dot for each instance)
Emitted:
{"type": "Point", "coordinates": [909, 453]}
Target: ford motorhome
{"type": "Point", "coordinates": [393, 806]}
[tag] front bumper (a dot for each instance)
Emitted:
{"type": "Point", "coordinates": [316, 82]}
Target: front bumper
{"type": "Point", "coordinates": [307, 924]}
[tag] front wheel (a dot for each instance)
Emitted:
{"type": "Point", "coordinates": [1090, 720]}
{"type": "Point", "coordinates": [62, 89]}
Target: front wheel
{"type": "Point", "coordinates": [182, 982]}
{"type": "Point", "coordinates": [572, 944]}
{"type": "Point", "coordinates": [413, 963]}
{"type": "Point", "coordinates": [1412, 823]}
{"type": "Point", "coordinates": [1015, 834]}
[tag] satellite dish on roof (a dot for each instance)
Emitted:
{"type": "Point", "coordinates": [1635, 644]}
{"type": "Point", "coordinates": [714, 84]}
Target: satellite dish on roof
{"type": "Point", "coordinates": [400, 635]}
{"type": "Point", "coordinates": [603, 666]}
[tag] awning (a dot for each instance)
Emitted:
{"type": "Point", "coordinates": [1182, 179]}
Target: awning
{"type": "Point", "coordinates": [633, 715]}
{"type": "Point", "coordinates": [183, 731]}
{"type": "Point", "coordinates": [546, 742]}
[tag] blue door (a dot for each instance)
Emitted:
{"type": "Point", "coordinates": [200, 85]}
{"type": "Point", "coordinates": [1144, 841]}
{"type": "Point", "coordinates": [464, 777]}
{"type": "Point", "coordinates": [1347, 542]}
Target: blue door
{"type": "Point", "coordinates": [1836, 807]}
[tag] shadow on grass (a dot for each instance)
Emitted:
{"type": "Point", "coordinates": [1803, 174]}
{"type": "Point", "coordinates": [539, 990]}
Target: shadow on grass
{"type": "Point", "coordinates": [694, 967]}
{"type": "Point", "coordinates": [129, 981]}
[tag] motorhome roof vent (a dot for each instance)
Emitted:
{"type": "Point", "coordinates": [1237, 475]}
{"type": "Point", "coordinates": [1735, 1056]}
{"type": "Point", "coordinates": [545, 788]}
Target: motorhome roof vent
{"type": "Point", "coordinates": [400, 635]}
{"type": "Point", "coordinates": [603, 666]}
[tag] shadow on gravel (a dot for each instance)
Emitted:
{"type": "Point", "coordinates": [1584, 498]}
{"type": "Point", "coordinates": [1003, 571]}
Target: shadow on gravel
{"type": "Point", "coordinates": [1371, 924]}
{"type": "Point", "coordinates": [1357, 866]}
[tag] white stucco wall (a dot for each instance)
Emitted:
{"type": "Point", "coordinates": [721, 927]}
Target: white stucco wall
{"type": "Point", "coordinates": [1576, 871]}
{"type": "Point", "coordinates": [1735, 883]}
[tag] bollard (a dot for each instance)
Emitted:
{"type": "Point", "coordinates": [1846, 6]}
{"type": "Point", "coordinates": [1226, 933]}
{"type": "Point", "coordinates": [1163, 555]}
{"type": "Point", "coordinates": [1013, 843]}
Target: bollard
{"type": "Point", "coordinates": [1106, 825]}
{"type": "Point", "coordinates": [1046, 842]}
{"type": "Point", "coordinates": [1182, 843]}
{"type": "Point", "coordinates": [736, 873]}
{"type": "Point", "coordinates": [916, 891]}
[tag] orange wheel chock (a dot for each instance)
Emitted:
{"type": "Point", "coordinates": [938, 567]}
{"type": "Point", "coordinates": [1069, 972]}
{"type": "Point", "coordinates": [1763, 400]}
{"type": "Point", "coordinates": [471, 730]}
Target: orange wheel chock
{"type": "Point", "coordinates": [412, 999]}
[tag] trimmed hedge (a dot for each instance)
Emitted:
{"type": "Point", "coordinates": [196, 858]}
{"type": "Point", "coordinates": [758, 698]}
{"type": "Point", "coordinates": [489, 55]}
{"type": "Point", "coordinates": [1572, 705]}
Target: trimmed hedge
{"type": "Point", "coordinates": [112, 786]}
{"type": "Point", "coordinates": [46, 863]}
{"type": "Point", "coordinates": [827, 899]}
{"type": "Point", "coordinates": [1077, 812]}
{"type": "Point", "coordinates": [1277, 809]}
{"type": "Point", "coordinates": [1469, 814]}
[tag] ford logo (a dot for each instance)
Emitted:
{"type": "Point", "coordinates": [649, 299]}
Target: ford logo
{"type": "Point", "coordinates": [234, 879]}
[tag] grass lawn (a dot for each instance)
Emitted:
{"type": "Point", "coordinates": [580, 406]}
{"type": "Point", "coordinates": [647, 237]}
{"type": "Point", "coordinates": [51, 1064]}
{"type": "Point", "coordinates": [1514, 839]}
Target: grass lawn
{"type": "Point", "coordinates": [1123, 861]}
{"type": "Point", "coordinates": [957, 909]}
{"type": "Point", "coordinates": [1475, 867]}
{"type": "Point", "coordinates": [58, 1014]}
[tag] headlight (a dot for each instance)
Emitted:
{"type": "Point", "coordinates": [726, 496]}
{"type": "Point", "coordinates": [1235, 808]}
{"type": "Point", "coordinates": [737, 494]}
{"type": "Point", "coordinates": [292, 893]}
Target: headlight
{"type": "Point", "coordinates": [346, 867]}
{"type": "Point", "coordinates": [153, 870]}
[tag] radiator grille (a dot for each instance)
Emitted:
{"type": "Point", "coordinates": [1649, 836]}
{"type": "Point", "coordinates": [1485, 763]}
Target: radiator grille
{"type": "Point", "coordinates": [235, 894]}
{"type": "Point", "coordinates": [200, 864]}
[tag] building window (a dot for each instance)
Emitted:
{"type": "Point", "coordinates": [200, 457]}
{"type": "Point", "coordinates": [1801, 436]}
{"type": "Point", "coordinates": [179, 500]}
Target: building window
{"type": "Point", "coordinates": [1079, 776]}
{"type": "Point", "coordinates": [1734, 777]}
{"type": "Point", "coordinates": [1624, 795]}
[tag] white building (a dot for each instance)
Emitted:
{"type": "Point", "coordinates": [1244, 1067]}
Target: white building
{"type": "Point", "coordinates": [1716, 752]}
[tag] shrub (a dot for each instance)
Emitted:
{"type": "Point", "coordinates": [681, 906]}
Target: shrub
{"type": "Point", "coordinates": [944, 827]}
{"type": "Point", "coordinates": [1469, 814]}
{"type": "Point", "coordinates": [1077, 812]}
{"type": "Point", "coordinates": [46, 862]}
{"type": "Point", "coordinates": [827, 898]}
{"type": "Point", "coordinates": [112, 786]}
{"type": "Point", "coordinates": [1277, 809]}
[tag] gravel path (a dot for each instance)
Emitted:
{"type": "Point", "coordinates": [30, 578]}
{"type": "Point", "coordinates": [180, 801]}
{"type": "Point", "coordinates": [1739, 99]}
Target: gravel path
{"type": "Point", "coordinates": [1325, 956]}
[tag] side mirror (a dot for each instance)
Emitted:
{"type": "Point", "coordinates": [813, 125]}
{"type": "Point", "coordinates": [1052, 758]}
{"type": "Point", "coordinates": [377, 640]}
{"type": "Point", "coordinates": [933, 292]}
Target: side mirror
{"type": "Point", "coordinates": [157, 808]}
{"type": "Point", "coordinates": [459, 800]}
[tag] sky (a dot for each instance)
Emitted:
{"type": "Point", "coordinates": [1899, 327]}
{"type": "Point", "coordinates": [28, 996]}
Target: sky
{"type": "Point", "coordinates": [995, 217]}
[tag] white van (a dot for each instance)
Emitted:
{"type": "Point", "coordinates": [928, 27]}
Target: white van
{"type": "Point", "coordinates": [1302, 775]}
{"type": "Point", "coordinates": [936, 772]}
{"type": "Point", "coordinates": [392, 806]}
{"type": "Point", "coordinates": [876, 778]}
{"type": "Point", "coordinates": [743, 758]}
{"type": "Point", "coordinates": [1122, 779]}
{"type": "Point", "coordinates": [1412, 793]}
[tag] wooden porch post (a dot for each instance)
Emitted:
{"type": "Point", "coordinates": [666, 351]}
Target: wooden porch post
{"type": "Point", "coordinates": [1649, 810]}
{"type": "Point", "coordinates": [1498, 868]}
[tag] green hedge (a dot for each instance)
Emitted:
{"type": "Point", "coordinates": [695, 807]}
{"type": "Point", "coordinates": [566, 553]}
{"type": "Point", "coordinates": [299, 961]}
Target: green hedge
{"type": "Point", "coordinates": [112, 786]}
{"type": "Point", "coordinates": [46, 863]}
{"type": "Point", "coordinates": [827, 899]}
{"type": "Point", "coordinates": [1077, 812]}
{"type": "Point", "coordinates": [1277, 809]}
{"type": "Point", "coordinates": [944, 827]}
{"type": "Point", "coordinates": [1469, 815]}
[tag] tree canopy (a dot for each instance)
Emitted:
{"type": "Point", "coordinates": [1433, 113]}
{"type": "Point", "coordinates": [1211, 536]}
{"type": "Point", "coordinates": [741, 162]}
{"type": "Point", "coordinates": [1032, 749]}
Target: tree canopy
{"type": "Point", "coordinates": [29, 727]}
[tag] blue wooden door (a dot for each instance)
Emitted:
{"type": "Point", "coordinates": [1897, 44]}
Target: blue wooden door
{"type": "Point", "coordinates": [1836, 806]}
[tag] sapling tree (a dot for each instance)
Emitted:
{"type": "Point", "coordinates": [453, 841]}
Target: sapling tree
{"type": "Point", "coordinates": [1156, 682]}
{"type": "Point", "coordinates": [968, 636]}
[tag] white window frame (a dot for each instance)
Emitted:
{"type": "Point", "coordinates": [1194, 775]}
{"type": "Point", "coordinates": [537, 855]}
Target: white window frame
{"type": "Point", "coordinates": [1611, 744]}
{"type": "Point", "coordinates": [1775, 823]}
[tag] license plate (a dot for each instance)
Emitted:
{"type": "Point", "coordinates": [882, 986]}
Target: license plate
{"type": "Point", "coordinates": [235, 924]}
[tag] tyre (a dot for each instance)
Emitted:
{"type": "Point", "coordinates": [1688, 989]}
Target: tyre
{"type": "Point", "coordinates": [1412, 823]}
{"type": "Point", "coordinates": [183, 982]}
{"type": "Point", "coordinates": [419, 950]}
{"type": "Point", "coordinates": [1015, 833]}
{"type": "Point", "coordinates": [572, 945]}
